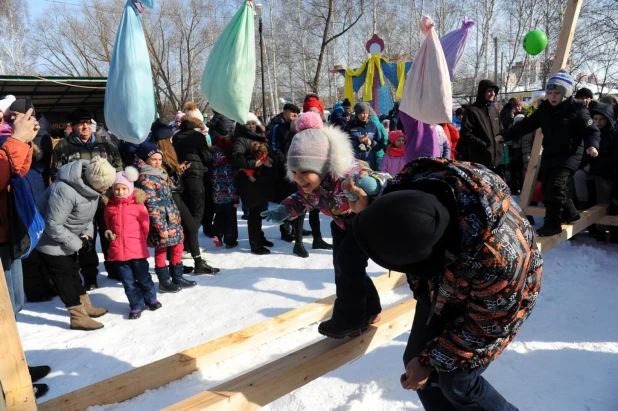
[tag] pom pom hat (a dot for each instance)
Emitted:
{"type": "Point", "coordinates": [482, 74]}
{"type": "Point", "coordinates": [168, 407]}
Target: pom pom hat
{"type": "Point", "coordinates": [561, 81]}
{"type": "Point", "coordinates": [100, 174]}
{"type": "Point", "coordinates": [127, 178]}
{"type": "Point", "coordinates": [325, 150]}
{"type": "Point", "coordinates": [253, 117]}
{"type": "Point", "coordinates": [191, 110]}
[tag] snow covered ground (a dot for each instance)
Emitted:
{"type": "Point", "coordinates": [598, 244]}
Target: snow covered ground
{"type": "Point", "coordinates": [564, 358]}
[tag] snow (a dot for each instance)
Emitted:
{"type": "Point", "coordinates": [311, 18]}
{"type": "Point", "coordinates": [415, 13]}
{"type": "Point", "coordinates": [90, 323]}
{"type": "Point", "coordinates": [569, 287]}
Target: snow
{"type": "Point", "coordinates": [564, 358]}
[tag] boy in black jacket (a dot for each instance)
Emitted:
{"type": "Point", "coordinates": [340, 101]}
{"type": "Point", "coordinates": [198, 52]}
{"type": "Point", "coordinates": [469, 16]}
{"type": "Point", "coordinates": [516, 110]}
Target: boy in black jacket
{"type": "Point", "coordinates": [568, 130]}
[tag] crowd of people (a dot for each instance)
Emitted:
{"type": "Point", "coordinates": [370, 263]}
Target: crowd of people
{"type": "Point", "coordinates": [352, 166]}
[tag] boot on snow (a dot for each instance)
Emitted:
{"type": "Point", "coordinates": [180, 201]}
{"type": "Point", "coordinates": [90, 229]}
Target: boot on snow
{"type": "Point", "coordinates": [80, 319]}
{"type": "Point", "coordinates": [165, 282]}
{"type": "Point", "coordinates": [92, 311]}
{"type": "Point", "coordinates": [179, 279]}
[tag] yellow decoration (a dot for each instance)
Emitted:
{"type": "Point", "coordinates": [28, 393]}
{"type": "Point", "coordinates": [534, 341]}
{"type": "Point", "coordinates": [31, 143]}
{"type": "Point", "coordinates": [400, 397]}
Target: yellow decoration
{"type": "Point", "coordinates": [401, 78]}
{"type": "Point", "coordinates": [369, 65]}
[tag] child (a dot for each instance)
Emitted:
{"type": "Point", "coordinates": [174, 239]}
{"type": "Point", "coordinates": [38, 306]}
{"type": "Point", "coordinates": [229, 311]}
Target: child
{"type": "Point", "coordinates": [224, 195]}
{"type": "Point", "coordinates": [128, 223]}
{"type": "Point", "coordinates": [319, 160]}
{"type": "Point", "coordinates": [568, 130]}
{"type": "Point", "coordinates": [394, 159]}
{"type": "Point", "coordinates": [165, 229]}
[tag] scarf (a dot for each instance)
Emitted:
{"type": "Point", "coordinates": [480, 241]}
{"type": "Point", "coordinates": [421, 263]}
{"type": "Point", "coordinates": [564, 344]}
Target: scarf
{"type": "Point", "coordinates": [395, 152]}
{"type": "Point", "coordinates": [88, 144]}
{"type": "Point", "coordinates": [151, 171]}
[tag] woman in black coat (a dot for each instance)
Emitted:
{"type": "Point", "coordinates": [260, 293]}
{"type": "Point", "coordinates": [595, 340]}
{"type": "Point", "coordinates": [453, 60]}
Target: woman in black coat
{"type": "Point", "coordinates": [254, 195]}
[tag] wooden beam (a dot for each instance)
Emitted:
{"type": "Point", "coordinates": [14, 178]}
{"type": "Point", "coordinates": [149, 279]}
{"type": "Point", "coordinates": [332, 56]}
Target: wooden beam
{"type": "Point", "coordinates": [532, 173]}
{"type": "Point", "coordinates": [150, 376]}
{"type": "Point", "coordinates": [588, 217]}
{"type": "Point", "coordinates": [16, 383]}
{"type": "Point", "coordinates": [567, 32]}
{"type": "Point", "coordinates": [605, 220]}
{"type": "Point", "coordinates": [276, 379]}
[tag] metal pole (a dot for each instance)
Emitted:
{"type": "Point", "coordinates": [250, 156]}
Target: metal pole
{"type": "Point", "coordinates": [502, 79]}
{"type": "Point", "coordinates": [496, 60]}
{"type": "Point", "coordinates": [262, 67]}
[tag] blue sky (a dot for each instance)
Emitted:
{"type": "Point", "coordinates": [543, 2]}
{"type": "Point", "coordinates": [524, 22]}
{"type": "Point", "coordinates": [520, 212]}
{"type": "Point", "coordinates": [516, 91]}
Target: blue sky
{"type": "Point", "coordinates": [38, 7]}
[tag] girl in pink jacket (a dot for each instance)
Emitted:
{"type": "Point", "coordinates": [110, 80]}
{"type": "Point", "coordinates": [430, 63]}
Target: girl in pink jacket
{"type": "Point", "coordinates": [128, 223]}
{"type": "Point", "coordinates": [394, 159]}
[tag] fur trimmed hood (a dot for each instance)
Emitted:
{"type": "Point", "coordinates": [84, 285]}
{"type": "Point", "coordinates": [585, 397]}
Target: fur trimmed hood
{"type": "Point", "coordinates": [340, 153]}
{"type": "Point", "coordinates": [138, 194]}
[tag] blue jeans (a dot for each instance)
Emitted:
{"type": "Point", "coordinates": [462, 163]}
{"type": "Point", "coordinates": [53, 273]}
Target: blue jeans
{"type": "Point", "coordinates": [137, 282]}
{"type": "Point", "coordinates": [14, 279]}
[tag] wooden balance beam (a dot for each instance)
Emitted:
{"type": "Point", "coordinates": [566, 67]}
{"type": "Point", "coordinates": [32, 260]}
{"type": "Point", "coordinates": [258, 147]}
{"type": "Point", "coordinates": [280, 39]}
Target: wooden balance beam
{"type": "Point", "coordinates": [153, 375]}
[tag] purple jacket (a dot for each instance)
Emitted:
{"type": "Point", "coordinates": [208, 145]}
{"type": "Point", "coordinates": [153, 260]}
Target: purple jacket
{"type": "Point", "coordinates": [392, 165]}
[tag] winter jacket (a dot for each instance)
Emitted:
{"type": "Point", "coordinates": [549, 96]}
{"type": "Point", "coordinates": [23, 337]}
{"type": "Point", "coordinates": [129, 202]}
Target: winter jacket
{"type": "Point", "coordinates": [479, 127]}
{"type": "Point", "coordinates": [382, 137]}
{"type": "Point", "coordinates": [191, 146]}
{"type": "Point", "coordinates": [452, 134]}
{"type": "Point", "coordinates": [339, 116]}
{"type": "Point", "coordinates": [566, 128]}
{"type": "Point", "coordinates": [263, 189]}
{"type": "Point", "coordinates": [43, 141]}
{"type": "Point", "coordinates": [223, 179]}
{"type": "Point", "coordinates": [421, 138]}
{"type": "Point", "coordinates": [606, 163]}
{"type": "Point", "coordinates": [362, 152]}
{"type": "Point", "coordinates": [392, 165]}
{"type": "Point", "coordinates": [329, 197]}
{"type": "Point", "coordinates": [34, 176]}
{"type": "Point", "coordinates": [21, 154]}
{"type": "Point", "coordinates": [68, 207]}
{"type": "Point", "coordinates": [72, 148]}
{"type": "Point", "coordinates": [443, 143]}
{"type": "Point", "coordinates": [220, 125]}
{"type": "Point", "coordinates": [456, 122]}
{"type": "Point", "coordinates": [486, 283]}
{"type": "Point", "coordinates": [128, 219]}
{"type": "Point", "coordinates": [164, 215]}
{"type": "Point", "coordinates": [277, 134]}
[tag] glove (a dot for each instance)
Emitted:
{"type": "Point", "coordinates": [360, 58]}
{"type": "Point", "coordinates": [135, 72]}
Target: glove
{"type": "Point", "coordinates": [109, 234]}
{"type": "Point", "coordinates": [370, 185]}
{"type": "Point", "coordinates": [278, 215]}
{"type": "Point", "coordinates": [86, 244]}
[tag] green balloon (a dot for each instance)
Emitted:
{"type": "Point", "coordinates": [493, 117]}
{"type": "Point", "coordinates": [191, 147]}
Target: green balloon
{"type": "Point", "coordinates": [535, 42]}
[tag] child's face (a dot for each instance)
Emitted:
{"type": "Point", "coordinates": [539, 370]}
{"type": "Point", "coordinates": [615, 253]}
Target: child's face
{"type": "Point", "coordinates": [120, 190]}
{"type": "Point", "coordinates": [155, 160]}
{"type": "Point", "coordinates": [600, 121]}
{"type": "Point", "coordinates": [554, 97]}
{"type": "Point", "coordinates": [400, 142]}
{"type": "Point", "coordinates": [307, 180]}
{"type": "Point", "coordinates": [252, 126]}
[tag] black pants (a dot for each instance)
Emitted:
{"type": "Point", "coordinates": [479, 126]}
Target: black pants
{"type": "Point", "coordinates": [64, 272]}
{"type": "Point", "coordinates": [89, 260]}
{"type": "Point", "coordinates": [516, 167]}
{"type": "Point", "coordinates": [193, 197]}
{"type": "Point", "coordinates": [225, 225]}
{"type": "Point", "coordinates": [557, 183]}
{"type": "Point", "coordinates": [298, 224]}
{"type": "Point", "coordinates": [188, 226]}
{"type": "Point", "coordinates": [37, 281]}
{"type": "Point", "coordinates": [209, 205]}
{"type": "Point", "coordinates": [254, 225]}
{"type": "Point", "coordinates": [451, 391]}
{"type": "Point", "coordinates": [357, 297]}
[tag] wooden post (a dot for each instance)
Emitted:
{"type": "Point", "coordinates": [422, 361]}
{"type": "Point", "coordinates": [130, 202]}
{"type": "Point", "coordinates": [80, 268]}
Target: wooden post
{"type": "Point", "coordinates": [532, 173]}
{"type": "Point", "coordinates": [16, 383]}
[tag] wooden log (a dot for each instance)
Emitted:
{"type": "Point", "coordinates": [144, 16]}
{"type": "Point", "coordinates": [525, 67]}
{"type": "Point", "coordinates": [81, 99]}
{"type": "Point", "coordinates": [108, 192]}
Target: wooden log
{"type": "Point", "coordinates": [588, 217]}
{"type": "Point", "coordinates": [150, 376]}
{"type": "Point", "coordinates": [532, 173]}
{"type": "Point", "coordinates": [276, 379]}
{"type": "Point", "coordinates": [567, 32]}
{"type": "Point", "coordinates": [16, 383]}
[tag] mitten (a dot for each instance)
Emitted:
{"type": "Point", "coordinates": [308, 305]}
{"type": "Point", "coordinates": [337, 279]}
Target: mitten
{"type": "Point", "coordinates": [278, 215]}
{"type": "Point", "coordinates": [109, 234]}
{"type": "Point", "coordinates": [368, 184]}
{"type": "Point", "coordinates": [86, 244]}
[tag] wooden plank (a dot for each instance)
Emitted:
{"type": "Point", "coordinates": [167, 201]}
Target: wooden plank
{"type": "Point", "coordinates": [567, 32]}
{"type": "Point", "coordinates": [588, 217]}
{"type": "Point", "coordinates": [16, 383]}
{"type": "Point", "coordinates": [150, 376]}
{"type": "Point", "coordinates": [276, 379]}
{"type": "Point", "coordinates": [532, 172]}
{"type": "Point", "coordinates": [605, 220]}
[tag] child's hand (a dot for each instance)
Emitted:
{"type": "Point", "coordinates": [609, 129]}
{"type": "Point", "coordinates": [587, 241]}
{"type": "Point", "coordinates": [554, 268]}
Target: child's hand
{"type": "Point", "coordinates": [109, 234]}
{"type": "Point", "coordinates": [592, 152]}
{"type": "Point", "coordinates": [164, 235]}
{"type": "Point", "coordinates": [362, 201]}
{"type": "Point", "coordinates": [258, 163]}
{"type": "Point", "coordinates": [587, 168]}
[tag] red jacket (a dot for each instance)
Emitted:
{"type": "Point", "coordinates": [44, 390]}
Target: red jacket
{"type": "Point", "coordinates": [21, 154]}
{"type": "Point", "coordinates": [128, 219]}
{"type": "Point", "coordinates": [453, 137]}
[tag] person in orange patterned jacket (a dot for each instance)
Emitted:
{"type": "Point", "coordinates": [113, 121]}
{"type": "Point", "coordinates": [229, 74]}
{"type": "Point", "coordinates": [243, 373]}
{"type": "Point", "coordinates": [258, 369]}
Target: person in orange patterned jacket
{"type": "Point", "coordinates": [471, 259]}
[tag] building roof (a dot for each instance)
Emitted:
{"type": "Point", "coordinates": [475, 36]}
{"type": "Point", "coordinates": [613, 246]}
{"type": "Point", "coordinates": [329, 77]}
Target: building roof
{"type": "Point", "coordinates": [57, 94]}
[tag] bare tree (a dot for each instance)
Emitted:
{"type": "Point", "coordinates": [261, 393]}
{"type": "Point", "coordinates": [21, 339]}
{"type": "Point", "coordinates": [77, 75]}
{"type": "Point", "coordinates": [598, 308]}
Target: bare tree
{"type": "Point", "coordinates": [17, 54]}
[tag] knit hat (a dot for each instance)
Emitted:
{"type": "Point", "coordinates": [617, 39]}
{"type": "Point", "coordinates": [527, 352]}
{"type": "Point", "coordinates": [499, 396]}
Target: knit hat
{"type": "Point", "coordinates": [179, 116]}
{"type": "Point", "coordinates": [100, 174]}
{"type": "Point", "coordinates": [394, 135]}
{"type": "Point", "coordinates": [21, 105]}
{"type": "Point", "coordinates": [145, 150]}
{"type": "Point", "coordinates": [5, 103]}
{"type": "Point", "coordinates": [584, 93]}
{"type": "Point", "coordinates": [312, 101]}
{"type": "Point", "coordinates": [291, 107]}
{"type": "Point", "coordinates": [346, 103]}
{"type": "Point", "coordinates": [127, 178]}
{"type": "Point", "coordinates": [253, 117]}
{"type": "Point", "coordinates": [160, 131]}
{"type": "Point", "coordinates": [401, 228]}
{"type": "Point", "coordinates": [191, 110]}
{"type": "Point", "coordinates": [361, 107]}
{"type": "Point", "coordinates": [561, 81]}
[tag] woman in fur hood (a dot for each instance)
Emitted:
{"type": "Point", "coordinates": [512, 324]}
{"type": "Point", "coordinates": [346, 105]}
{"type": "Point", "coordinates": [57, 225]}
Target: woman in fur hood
{"type": "Point", "coordinates": [319, 160]}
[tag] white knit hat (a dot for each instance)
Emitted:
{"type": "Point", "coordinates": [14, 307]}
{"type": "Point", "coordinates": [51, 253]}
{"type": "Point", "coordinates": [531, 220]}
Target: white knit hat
{"type": "Point", "coordinates": [100, 174]}
{"type": "Point", "coordinates": [253, 117]}
{"type": "Point", "coordinates": [192, 111]}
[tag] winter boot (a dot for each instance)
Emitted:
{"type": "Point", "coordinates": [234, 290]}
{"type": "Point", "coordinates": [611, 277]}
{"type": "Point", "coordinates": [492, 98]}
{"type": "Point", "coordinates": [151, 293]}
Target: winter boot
{"type": "Point", "coordinates": [319, 244]}
{"type": "Point", "coordinates": [90, 285]}
{"type": "Point", "coordinates": [299, 250]}
{"type": "Point", "coordinates": [165, 282]}
{"type": "Point", "coordinates": [286, 232]}
{"type": "Point", "coordinates": [552, 225]}
{"type": "Point", "coordinates": [80, 319]}
{"type": "Point", "coordinates": [202, 268]}
{"type": "Point", "coordinates": [258, 248]}
{"type": "Point", "coordinates": [287, 237]}
{"type": "Point", "coordinates": [92, 312]}
{"type": "Point", "coordinates": [372, 319]}
{"type": "Point", "coordinates": [154, 305]}
{"type": "Point", "coordinates": [187, 269]}
{"type": "Point", "coordinates": [38, 372]}
{"type": "Point", "coordinates": [40, 390]}
{"type": "Point", "coordinates": [217, 241]}
{"type": "Point", "coordinates": [266, 243]}
{"type": "Point", "coordinates": [179, 280]}
{"type": "Point", "coordinates": [332, 329]}
{"type": "Point", "coordinates": [135, 314]}
{"type": "Point", "coordinates": [307, 233]}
